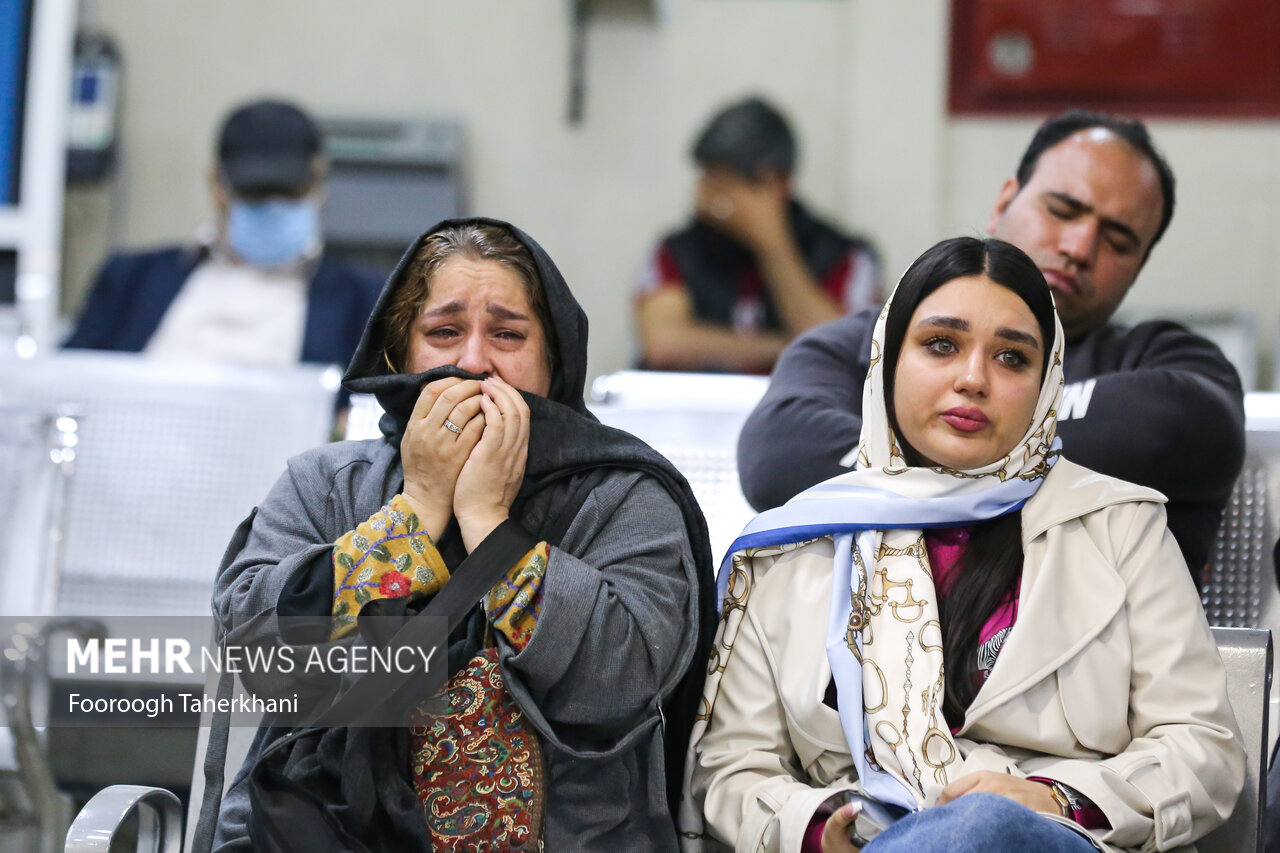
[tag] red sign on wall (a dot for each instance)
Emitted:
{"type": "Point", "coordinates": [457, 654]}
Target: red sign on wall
{"type": "Point", "coordinates": [1170, 57]}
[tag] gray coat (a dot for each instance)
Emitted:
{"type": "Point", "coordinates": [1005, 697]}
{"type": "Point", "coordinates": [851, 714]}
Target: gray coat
{"type": "Point", "coordinates": [616, 627]}
{"type": "Point", "coordinates": [622, 615]}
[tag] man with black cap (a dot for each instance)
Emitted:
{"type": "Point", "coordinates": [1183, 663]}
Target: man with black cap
{"type": "Point", "coordinates": [255, 288]}
{"type": "Point", "coordinates": [754, 268]}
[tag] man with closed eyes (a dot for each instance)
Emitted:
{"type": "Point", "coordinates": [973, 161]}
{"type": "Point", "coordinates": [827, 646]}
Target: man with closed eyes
{"type": "Point", "coordinates": [1154, 404]}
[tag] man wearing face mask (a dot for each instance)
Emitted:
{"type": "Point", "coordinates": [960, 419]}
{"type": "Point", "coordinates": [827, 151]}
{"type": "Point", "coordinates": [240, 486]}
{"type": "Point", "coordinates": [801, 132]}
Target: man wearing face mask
{"type": "Point", "coordinates": [255, 289]}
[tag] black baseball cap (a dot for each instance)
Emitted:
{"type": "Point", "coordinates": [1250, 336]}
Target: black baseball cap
{"type": "Point", "coordinates": [748, 136]}
{"type": "Point", "coordinates": [268, 147]}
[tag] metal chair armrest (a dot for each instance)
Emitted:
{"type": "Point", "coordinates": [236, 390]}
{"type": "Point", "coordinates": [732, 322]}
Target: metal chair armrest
{"type": "Point", "coordinates": [1246, 654]}
{"type": "Point", "coordinates": [159, 820]}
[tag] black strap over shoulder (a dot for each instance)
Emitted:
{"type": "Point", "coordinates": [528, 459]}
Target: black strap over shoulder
{"type": "Point", "coordinates": [473, 578]}
{"type": "Point", "coordinates": [476, 575]}
{"type": "Point", "coordinates": [289, 815]}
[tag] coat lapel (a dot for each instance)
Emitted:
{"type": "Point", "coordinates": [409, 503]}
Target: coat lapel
{"type": "Point", "coordinates": [1070, 590]}
{"type": "Point", "coordinates": [1066, 599]}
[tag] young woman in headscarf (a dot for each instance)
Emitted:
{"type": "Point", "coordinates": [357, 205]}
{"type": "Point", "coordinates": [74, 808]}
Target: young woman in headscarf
{"type": "Point", "coordinates": [968, 626]}
{"type": "Point", "coordinates": [570, 677]}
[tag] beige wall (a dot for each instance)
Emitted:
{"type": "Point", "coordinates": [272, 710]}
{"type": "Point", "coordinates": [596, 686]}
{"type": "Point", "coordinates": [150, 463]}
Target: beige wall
{"type": "Point", "coordinates": [595, 195]}
{"type": "Point", "coordinates": [864, 81]}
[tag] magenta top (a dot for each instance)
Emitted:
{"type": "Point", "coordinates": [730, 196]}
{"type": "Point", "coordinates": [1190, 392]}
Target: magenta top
{"type": "Point", "coordinates": [946, 547]}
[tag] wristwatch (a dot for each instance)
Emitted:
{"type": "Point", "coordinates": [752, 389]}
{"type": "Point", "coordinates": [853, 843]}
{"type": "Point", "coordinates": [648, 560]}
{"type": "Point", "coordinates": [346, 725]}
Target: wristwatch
{"type": "Point", "coordinates": [1062, 796]}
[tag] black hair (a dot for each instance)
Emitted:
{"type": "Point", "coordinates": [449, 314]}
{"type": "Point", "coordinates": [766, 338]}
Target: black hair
{"type": "Point", "coordinates": [993, 558]}
{"type": "Point", "coordinates": [750, 137]}
{"type": "Point", "coordinates": [1133, 131]}
{"type": "Point", "coordinates": [960, 257]}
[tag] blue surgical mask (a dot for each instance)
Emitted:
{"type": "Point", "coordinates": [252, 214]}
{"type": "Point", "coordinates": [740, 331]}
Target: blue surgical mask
{"type": "Point", "coordinates": [274, 233]}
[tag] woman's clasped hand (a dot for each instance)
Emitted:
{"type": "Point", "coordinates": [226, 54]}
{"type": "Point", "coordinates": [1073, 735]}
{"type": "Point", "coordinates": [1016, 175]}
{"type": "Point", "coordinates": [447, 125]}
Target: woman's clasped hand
{"type": "Point", "coordinates": [475, 473]}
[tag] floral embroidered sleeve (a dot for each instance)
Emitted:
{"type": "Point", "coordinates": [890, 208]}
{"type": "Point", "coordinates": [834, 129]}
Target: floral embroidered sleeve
{"type": "Point", "coordinates": [514, 602]}
{"type": "Point", "coordinates": [391, 556]}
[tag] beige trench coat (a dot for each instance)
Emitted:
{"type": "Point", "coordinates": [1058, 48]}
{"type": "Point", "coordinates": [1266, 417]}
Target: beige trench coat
{"type": "Point", "coordinates": [1109, 682]}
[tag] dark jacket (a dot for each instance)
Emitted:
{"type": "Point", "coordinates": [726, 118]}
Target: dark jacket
{"type": "Point", "coordinates": [1165, 410]}
{"type": "Point", "coordinates": [627, 602]}
{"type": "Point", "coordinates": [133, 292]}
{"type": "Point", "coordinates": [713, 265]}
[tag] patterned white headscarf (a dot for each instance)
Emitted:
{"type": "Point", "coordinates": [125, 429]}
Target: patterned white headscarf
{"type": "Point", "coordinates": [884, 639]}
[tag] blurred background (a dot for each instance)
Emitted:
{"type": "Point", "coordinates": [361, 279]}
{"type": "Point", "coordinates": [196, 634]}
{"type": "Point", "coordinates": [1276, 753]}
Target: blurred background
{"type": "Point", "coordinates": [866, 85]}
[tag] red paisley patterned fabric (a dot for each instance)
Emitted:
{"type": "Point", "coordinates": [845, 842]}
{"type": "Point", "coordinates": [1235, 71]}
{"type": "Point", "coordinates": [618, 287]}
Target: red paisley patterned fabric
{"type": "Point", "coordinates": [478, 766]}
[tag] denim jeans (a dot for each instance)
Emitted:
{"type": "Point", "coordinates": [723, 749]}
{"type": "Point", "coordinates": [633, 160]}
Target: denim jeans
{"type": "Point", "coordinates": [979, 823]}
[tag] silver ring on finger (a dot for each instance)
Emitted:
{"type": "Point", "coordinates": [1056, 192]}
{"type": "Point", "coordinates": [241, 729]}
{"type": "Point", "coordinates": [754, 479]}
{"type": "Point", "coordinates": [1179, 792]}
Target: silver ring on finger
{"type": "Point", "coordinates": [452, 427]}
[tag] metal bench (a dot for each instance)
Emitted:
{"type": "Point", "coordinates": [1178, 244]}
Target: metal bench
{"type": "Point", "coordinates": [1247, 654]}
{"type": "Point", "coordinates": [160, 462]}
{"type": "Point", "coordinates": [33, 478]}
